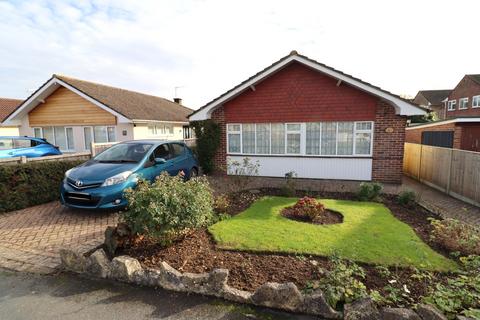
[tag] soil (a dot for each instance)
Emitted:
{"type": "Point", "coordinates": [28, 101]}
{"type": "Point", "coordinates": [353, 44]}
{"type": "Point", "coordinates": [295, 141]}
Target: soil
{"type": "Point", "coordinates": [197, 253]}
{"type": "Point", "coordinates": [328, 217]}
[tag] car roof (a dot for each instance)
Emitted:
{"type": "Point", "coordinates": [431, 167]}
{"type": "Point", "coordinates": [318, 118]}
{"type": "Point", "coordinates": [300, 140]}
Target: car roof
{"type": "Point", "coordinates": [154, 141]}
{"type": "Point", "coordinates": [22, 137]}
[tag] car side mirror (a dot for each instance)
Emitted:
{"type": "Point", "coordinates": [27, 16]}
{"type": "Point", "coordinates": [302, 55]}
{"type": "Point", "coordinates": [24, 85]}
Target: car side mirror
{"type": "Point", "coordinates": [160, 160]}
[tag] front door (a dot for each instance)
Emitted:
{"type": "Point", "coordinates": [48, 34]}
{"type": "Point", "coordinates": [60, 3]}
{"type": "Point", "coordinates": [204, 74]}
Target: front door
{"type": "Point", "coordinates": [471, 138]}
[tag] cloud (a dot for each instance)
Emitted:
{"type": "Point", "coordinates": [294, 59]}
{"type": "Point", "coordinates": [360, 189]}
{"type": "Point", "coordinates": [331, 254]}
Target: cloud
{"type": "Point", "coordinates": [209, 46]}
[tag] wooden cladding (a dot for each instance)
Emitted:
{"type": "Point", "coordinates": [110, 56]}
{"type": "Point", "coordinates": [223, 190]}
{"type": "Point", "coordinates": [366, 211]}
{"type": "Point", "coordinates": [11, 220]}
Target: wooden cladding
{"type": "Point", "coordinates": [64, 107]}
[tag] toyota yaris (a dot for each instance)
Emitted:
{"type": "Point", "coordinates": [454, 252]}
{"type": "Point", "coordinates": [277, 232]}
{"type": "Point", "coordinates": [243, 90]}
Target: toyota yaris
{"type": "Point", "coordinates": [100, 182]}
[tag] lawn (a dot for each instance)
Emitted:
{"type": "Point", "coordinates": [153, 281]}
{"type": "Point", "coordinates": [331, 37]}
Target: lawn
{"type": "Point", "coordinates": [369, 233]}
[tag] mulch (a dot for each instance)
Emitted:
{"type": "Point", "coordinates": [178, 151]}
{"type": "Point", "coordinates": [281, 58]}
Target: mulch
{"type": "Point", "coordinates": [197, 253]}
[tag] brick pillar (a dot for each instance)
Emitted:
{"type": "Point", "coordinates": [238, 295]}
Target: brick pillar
{"type": "Point", "coordinates": [389, 138]}
{"type": "Point", "coordinates": [220, 158]}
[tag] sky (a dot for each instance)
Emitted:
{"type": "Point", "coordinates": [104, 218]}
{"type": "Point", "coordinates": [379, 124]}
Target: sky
{"type": "Point", "coordinates": [204, 48]}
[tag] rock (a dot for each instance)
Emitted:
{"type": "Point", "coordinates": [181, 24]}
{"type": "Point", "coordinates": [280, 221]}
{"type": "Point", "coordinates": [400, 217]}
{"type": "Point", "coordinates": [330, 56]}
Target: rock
{"type": "Point", "coordinates": [171, 278]}
{"type": "Point", "coordinates": [429, 312]}
{"type": "Point", "coordinates": [126, 268]}
{"type": "Point", "coordinates": [313, 263]}
{"type": "Point", "coordinates": [98, 264]}
{"type": "Point", "coordinates": [315, 303]}
{"type": "Point", "coordinates": [363, 309]}
{"type": "Point", "coordinates": [399, 314]}
{"type": "Point", "coordinates": [73, 261]}
{"type": "Point", "coordinates": [149, 277]}
{"type": "Point", "coordinates": [275, 295]}
{"type": "Point", "coordinates": [463, 318]}
{"type": "Point", "coordinates": [218, 280]}
{"type": "Point", "coordinates": [195, 282]}
{"type": "Point", "coordinates": [111, 241]}
{"type": "Point", "coordinates": [236, 295]}
{"type": "Point", "coordinates": [123, 230]}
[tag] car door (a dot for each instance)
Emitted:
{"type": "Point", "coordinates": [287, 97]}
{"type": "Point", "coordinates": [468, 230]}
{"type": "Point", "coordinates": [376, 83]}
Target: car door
{"type": "Point", "coordinates": [24, 147]}
{"type": "Point", "coordinates": [179, 158]}
{"type": "Point", "coordinates": [153, 169]}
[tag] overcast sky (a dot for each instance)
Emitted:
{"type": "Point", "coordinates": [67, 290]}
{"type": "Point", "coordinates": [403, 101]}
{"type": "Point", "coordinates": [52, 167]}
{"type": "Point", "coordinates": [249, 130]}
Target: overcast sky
{"type": "Point", "coordinates": [207, 47]}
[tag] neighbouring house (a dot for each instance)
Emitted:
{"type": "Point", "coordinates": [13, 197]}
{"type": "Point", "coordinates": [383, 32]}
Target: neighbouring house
{"type": "Point", "coordinates": [434, 100]}
{"type": "Point", "coordinates": [458, 133]}
{"type": "Point", "coordinates": [73, 113]}
{"type": "Point", "coordinates": [303, 116]}
{"type": "Point", "coordinates": [464, 100]}
{"type": "Point", "coordinates": [6, 107]}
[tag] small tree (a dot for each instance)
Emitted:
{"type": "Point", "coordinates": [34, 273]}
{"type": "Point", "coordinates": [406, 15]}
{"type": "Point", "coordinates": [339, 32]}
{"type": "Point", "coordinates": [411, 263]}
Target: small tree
{"type": "Point", "coordinates": [208, 134]}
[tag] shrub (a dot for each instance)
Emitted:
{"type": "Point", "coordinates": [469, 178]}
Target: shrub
{"type": "Point", "coordinates": [168, 207]}
{"type": "Point", "coordinates": [290, 187]}
{"type": "Point", "coordinates": [221, 204]}
{"type": "Point", "coordinates": [460, 294]}
{"type": "Point", "coordinates": [32, 183]}
{"type": "Point", "coordinates": [455, 236]}
{"type": "Point", "coordinates": [369, 191]}
{"type": "Point", "coordinates": [407, 198]}
{"type": "Point", "coordinates": [309, 208]}
{"type": "Point", "coordinates": [208, 134]}
{"type": "Point", "coordinates": [241, 173]}
{"type": "Point", "coordinates": [343, 284]}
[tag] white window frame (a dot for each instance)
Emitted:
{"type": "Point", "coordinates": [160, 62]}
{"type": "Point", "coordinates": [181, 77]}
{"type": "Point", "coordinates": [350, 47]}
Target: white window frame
{"type": "Point", "coordinates": [460, 103]}
{"type": "Point", "coordinates": [234, 132]}
{"type": "Point", "coordinates": [302, 133]}
{"type": "Point", "coordinates": [54, 142]}
{"type": "Point", "coordinates": [269, 139]}
{"type": "Point", "coordinates": [451, 105]}
{"type": "Point", "coordinates": [87, 148]}
{"type": "Point", "coordinates": [477, 98]}
{"type": "Point", "coordinates": [92, 129]}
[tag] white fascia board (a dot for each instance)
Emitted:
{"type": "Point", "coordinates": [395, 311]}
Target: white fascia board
{"type": "Point", "coordinates": [458, 120]}
{"type": "Point", "coordinates": [47, 89]}
{"type": "Point", "coordinates": [402, 107]}
{"type": "Point", "coordinates": [158, 121]}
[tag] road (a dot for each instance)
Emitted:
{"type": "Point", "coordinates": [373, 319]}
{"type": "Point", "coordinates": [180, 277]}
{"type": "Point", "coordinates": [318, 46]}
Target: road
{"type": "Point", "coordinates": [66, 296]}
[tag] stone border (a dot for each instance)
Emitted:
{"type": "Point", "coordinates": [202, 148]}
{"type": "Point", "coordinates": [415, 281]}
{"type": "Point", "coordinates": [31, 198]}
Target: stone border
{"type": "Point", "coordinates": [285, 296]}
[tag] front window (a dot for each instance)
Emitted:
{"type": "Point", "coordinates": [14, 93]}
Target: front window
{"type": "Point", "coordinates": [59, 136]}
{"type": "Point", "coordinates": [124, 152]}
{"type": "Point", "coordinates": [311, 138]}
{"type": "Point", "coordinates": [476, 102]}
{"type": "Point", "coordinates": [160, 129]}
{"type": "Point", "coordinates": [463, 103]}
{"type": "Point", "coordinates": [451, 105]}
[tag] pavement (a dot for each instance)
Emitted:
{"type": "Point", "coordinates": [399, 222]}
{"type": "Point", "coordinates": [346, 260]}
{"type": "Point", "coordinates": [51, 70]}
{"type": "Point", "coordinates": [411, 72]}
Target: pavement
{"type": "Point", "coordinates": [65, 296]}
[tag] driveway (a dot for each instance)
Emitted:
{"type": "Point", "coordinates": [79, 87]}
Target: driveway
{"type": "Point", "coordinates": [30, 239]}
{"type": "Point", "coordinates": [28, 296]}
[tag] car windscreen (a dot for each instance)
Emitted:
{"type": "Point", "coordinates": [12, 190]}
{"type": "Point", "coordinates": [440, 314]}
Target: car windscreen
{"type": "Point", "coordinates": [124, 152]}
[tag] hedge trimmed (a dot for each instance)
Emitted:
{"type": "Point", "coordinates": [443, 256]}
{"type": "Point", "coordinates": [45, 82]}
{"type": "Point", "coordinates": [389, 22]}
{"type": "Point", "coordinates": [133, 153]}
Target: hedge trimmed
{"type": "Point", "coordinates": [29, 184]}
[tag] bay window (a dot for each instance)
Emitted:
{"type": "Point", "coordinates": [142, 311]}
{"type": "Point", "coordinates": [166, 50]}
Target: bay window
{"type": "Point", "coordinates": [311, 139]}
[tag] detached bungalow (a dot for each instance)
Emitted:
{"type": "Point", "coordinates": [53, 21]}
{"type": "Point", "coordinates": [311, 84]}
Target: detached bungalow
{"type": "Point", "coordinates": [303, 116]}
{"type": "Point", "coordinates": [73, 113]}
{"type": "Point", "coordinates": [6, 107]}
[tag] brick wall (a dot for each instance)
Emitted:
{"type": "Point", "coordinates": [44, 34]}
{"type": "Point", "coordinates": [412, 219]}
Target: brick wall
{"type": "Point", "coordinates": [388, 144]}
{"type": "Point", "coordinates": [298, 93]}
{"type": "Point", "coordinates": [220, 158]}
{"type": "Point", "coordinates": [466, 88]}
{"type": "Point", "coordinates": [415, 135]}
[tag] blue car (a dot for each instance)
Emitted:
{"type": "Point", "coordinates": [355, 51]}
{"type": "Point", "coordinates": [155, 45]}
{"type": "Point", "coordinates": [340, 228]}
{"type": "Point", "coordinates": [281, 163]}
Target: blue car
{"type": "Point", "coordinates": [29, 147]}
{"type": "Point", "coordinates": [100, 182]}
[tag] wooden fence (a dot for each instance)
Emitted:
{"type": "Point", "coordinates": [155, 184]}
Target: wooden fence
{"type": "Point", "coordinates": [455, 172]}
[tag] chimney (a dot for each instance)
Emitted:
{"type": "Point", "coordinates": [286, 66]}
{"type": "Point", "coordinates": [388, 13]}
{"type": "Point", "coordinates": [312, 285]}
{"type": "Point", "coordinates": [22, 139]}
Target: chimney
{"type": "Point", "coordinates": [177, 100]}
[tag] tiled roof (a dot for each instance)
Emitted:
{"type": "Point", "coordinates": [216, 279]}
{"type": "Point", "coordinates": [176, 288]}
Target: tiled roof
{"type": "Point", "coordinates": [7, 106]}
{"type": "Point", "coordinates": [475, 77]}
{"type": "Point", "coordinates": [435, 97]}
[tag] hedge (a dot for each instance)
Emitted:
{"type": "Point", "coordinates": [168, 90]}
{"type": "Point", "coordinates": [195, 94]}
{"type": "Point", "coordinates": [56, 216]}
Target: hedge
{"type": "Point", "coordinates": [29, 184]}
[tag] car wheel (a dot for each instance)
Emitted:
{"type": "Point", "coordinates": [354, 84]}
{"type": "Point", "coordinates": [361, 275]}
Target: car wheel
{"type": "Point", "coordinates": [193, 173]}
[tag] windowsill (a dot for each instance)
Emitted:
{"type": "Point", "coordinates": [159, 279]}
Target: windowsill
{"type": "Point", "coordinates": [301, 156]}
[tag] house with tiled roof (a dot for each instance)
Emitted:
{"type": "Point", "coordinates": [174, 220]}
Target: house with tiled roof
{"type": "Point", "coordinates": [7, 106]}
{"type": "Point", "coordinates": [72, 113]}
{"type": "Point", "coordinates": [299, 115]}
{"type": "Point", "coordinates": [434, 100]}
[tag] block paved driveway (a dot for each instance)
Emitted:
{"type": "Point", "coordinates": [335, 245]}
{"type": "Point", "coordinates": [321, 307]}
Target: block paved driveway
{"type": "Point", "coordinates": [30, 239]}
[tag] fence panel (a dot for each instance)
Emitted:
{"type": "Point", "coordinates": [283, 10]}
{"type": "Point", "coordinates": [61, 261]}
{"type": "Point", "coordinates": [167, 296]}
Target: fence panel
{"type": "Point", "coordinates": [456, 172]}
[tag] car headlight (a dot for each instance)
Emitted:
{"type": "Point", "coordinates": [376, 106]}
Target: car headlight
{"type": "Point", "coordinates": [116, 179]}
{"type": "Point", "coordinates": [67, 173]}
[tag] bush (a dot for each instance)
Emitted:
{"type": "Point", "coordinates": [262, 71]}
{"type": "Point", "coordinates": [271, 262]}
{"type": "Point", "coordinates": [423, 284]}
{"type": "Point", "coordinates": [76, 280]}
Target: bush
{"type": "Point", "coordinates": [241, 173]}
{"type": "Point", "coordinates": [369, 191]}
{"type": "Point", "coordinates": [309, 208]}
{"type": "Point", "coordinates": [208, 134]}
{"type": "Point", "coordinates": [168, 207]}
{"type": "Point", "coordinates": [456, 236]}
{"type": "Point", "coordinates": [32, 183]}
{"type": "Point", "coordinates": [290, 187]}
{"type": "Point", "coordinates": [343, 283]}
{"type": "Point", "coordinates": [221, 204]}
{"type": "Point", "coordinates": [407, 198]}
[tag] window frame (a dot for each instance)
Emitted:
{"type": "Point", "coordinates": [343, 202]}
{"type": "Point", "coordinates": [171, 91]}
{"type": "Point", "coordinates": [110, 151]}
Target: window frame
{"type": "Point", "coordinates": [460, 100]}
{"type": "Point", "coordinates": [54, 142]}
{"type": "Point", "coordinates": [451, 105]}
{"type": "Point", "coordinates": [477, 98]}
{"type": "Point", "coordinates": [302, 132]}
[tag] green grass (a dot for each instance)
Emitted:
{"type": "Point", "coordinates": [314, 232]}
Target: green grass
{"type": "Point", "coordinates": [369, 233]}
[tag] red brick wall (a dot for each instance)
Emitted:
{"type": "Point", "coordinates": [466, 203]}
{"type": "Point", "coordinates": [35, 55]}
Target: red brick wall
{"type": "Point", "coordinates": [415, 135]}
{"type": "Point", "coordinates": [388, 146]}
{"type": "Point", "coordinates": [466, 88]}
{"type": "Point", "coordinates": [220, 158]}
{"type": "Point", "coordinates": [298, 93]}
